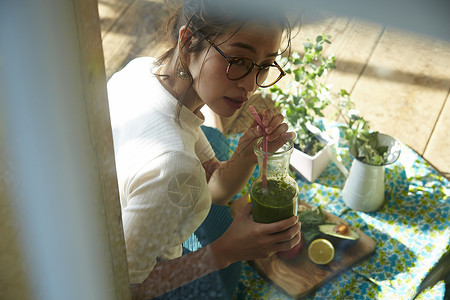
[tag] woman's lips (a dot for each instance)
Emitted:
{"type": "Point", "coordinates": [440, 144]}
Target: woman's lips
{"type": "Point", "coordinates": [234, 103]}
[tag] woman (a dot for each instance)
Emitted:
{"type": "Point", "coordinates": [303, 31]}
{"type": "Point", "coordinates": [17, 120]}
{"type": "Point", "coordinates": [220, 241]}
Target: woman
{"type": "Point", "coordinates": [167, 171]}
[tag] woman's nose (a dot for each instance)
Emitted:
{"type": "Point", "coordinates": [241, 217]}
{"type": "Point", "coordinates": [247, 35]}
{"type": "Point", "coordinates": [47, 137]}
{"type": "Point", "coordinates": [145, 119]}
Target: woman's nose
{"type": "Point", "coordinates": [249, 81]}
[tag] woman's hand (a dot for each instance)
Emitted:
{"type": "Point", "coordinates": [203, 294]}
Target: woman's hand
{"type": "Point", "coordinates": [276, 129]}
{"type": "Point", "coordinates": [248, 240]}
{"type": "Point", "coordinates": [229, 177]}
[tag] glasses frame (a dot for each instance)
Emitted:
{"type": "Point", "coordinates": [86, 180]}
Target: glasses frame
{"type": "Point", "coordinates": [230, 61]}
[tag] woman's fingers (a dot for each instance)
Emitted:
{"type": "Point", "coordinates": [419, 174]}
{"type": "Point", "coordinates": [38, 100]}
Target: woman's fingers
{"type": "Point", "coordinates": [266, 117]}
{"type": "Point", "coordinates": [288, 234]}
{"type": "Point", "coordinates": [280, 141]}
{"type": "Point", "coordinates": [275, 121]}
{"type": "Point", "coordinates": [251, 240]}
{"type": "Point", "coordinates": [288, 135]}
{"type": "Point", "coordinates": [273, 124]}
{"type": "Point", "coordinates": [283, 240]}
{"type": "Point", "coordinates": [275, 128]}
{"type": "Point", "coordinates": [278, 131]}
{"type": "Point", "coordinates": [282, 225]}
{"type": "Point", "coordinates": [247, 210]}
{"type": "Point", "coordinates": [287, 245]}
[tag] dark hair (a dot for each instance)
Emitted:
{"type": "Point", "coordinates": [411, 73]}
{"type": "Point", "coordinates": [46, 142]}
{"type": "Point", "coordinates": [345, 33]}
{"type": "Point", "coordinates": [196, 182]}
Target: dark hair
{"type": "Point", "coordinates": [212, 18]}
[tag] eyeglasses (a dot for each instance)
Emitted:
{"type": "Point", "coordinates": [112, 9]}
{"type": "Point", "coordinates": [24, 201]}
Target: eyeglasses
{"type": "Point", "coordinates": [239, 67]}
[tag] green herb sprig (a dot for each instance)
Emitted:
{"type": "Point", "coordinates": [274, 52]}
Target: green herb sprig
{"type": "Point", "coordinates": [303, 100]}
{"type": "Point", "coordinates": [305, 96]}
{"type": "Point", "coordinates": [363, 143]}
{"type": "Point", "coordinates": [310, 220]}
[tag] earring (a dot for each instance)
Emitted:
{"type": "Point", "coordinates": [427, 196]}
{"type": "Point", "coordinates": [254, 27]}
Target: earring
{"type": "Point", "coordinates": [181, 73]}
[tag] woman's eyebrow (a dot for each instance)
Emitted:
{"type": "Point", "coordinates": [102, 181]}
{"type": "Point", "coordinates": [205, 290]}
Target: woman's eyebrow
{"type": "Point", "coordinates": [251, 48]}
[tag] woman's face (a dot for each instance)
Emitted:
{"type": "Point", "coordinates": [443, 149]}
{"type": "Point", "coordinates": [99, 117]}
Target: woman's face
{"type": "Point", "coordinates": [257, 42]}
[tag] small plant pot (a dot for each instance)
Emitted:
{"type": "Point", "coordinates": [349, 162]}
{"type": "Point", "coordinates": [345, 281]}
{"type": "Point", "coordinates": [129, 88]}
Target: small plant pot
{"type": "Point", "coordinates": [310, 167]}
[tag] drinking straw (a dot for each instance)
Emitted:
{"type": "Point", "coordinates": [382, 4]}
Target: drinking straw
{"type": "Point", "coordinates": [264, 145]}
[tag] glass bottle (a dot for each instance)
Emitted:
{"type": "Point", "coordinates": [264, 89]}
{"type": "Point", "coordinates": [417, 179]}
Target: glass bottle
{"type": "Point", "coordinates": [279, 200]}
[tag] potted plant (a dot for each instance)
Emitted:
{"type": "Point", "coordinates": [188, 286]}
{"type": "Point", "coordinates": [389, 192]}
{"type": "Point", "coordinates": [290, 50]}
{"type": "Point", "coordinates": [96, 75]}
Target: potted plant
{"type": "Point", "coordinates": [302, 102]}
{"type": "Point", "coordinates": [371, 151]}
{"type": "Point", "coordinates": [364, 144]}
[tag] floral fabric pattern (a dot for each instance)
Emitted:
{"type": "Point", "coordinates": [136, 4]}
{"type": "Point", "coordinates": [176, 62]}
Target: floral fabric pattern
{"type": "Point", "coordinates": [411, 230]}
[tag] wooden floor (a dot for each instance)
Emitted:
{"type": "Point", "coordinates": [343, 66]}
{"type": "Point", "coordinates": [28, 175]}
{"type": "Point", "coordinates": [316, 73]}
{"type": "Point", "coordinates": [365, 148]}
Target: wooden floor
{"type": "Point", "coordinates": [399, 81]}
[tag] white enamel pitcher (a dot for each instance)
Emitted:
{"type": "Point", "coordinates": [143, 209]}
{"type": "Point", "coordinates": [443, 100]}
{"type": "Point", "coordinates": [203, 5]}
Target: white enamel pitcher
{"type": "Point", "coordinates": [364, 186]}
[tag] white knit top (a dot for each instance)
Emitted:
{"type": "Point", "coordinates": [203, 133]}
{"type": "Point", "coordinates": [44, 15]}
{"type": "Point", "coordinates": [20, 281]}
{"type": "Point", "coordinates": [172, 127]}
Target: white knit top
{"type": "Point", "coordinates": [163, 190]}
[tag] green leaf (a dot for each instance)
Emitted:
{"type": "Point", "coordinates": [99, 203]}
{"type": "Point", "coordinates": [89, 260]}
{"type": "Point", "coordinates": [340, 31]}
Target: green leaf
{"type": "Point", "coordinates": [298, 99]}
{"type": "Point", "coordinates": [318, 47]}
{"type": "Point", "coordinates": [310, 220]}
{"type": "Point", "coordinates": [344, 93]}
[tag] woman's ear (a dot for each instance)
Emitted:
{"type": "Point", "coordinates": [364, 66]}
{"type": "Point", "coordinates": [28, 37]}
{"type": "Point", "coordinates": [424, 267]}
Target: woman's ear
{"type": "Point", "coordinates": [184, 41]}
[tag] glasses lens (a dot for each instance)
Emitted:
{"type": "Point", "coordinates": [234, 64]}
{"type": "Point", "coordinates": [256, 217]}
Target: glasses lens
{"type": "Point", "coordinates": [239, 67]}
{"type": "Point", "coordinates": [267, 76]}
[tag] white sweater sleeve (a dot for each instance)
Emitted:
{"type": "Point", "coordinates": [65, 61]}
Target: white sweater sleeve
{"type": "Point", "coordinates": [166, 201]}
{"type": "Point", "coordinates": [203, 148]}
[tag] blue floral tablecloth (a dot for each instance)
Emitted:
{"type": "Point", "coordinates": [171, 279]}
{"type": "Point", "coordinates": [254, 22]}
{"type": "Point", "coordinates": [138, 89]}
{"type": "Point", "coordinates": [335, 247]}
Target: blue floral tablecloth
{"type": "Point", "coordinates": [411, 230]}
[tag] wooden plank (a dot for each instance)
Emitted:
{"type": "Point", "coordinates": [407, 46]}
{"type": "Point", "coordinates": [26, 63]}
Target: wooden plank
{"type": "Point", "coordinates": [299, 276]}
{"type": "Point", "coordinates": [96, 104]}
{"type": "Point", "coordinates": [438, 148]}
{"type": "Point", "coordinates": [316, 25]}
{"type": "Point", "coordinates": [353, 41]}
{"type": "Point", "coordinates": [352, 49]}
{"type": "Point", "coordinates": [110, 11]}
{"type": "Point", "coordinates": [404, 86]}
{"type": "Point", "coordinates": [136, 33]}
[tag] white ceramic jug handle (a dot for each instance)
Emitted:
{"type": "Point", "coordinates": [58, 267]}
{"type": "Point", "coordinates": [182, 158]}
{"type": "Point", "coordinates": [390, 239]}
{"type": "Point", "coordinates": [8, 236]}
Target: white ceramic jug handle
{"type": "Point", "coordinates": [337, 160]}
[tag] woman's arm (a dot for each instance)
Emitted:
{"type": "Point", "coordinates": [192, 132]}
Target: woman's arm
{"type": "Point", "coordinates": [244, 240]}
{"type": "Point", "coordinates": [229, 177]}
{"type": "Point", "coordinates": [169, 275]}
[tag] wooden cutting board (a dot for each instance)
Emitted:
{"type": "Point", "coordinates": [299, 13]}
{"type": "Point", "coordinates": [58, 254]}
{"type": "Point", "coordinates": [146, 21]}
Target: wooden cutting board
{"type": "Point", "coordinates": [299, 276]}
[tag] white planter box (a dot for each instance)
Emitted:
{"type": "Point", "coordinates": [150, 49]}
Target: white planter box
{"type": "Point", "coordinates": [310, 167]}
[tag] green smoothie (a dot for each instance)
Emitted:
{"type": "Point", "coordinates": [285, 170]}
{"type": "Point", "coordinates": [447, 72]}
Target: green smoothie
{"type": "Point", "coordinates": [276, 203]}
